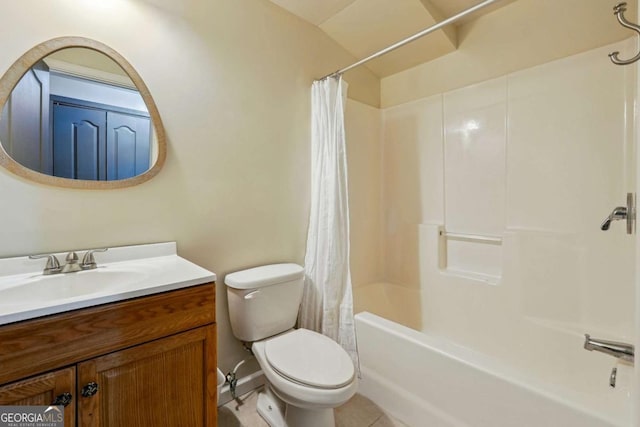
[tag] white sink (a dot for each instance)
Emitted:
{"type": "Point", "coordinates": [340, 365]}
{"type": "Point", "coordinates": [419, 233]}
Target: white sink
{"type": "Point", "coordinates": [63, 286]}
{"type": "Point", "coordinates": [122, 273]}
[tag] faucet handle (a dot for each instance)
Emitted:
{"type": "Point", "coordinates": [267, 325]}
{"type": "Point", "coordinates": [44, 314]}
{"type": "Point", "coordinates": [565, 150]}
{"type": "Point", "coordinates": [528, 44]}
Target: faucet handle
{"type": "Point", "coordinates": [72, 257]}
{"type": "Point", "coordinates": [623, 212]}
{"type": "Point", "coordinates": [88, 261]}
{"type": "Point", "coordinates": [52, 266]}
{"type": "Point", "coordinates": [618, 213]}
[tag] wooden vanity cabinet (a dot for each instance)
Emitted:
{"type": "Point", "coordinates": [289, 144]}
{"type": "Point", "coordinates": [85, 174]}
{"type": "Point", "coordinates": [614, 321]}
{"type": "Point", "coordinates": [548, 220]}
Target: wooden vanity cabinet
{"type": "Point", "coordinates": [148, 361]}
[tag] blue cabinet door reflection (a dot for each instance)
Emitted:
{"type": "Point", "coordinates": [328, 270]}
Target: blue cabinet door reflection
{"type": "Point", "coordinates": [98, 144]}
{"type": "Point", "coordinates": [127, 145]}
{"type": "Point", "coordinates": [79, 142]}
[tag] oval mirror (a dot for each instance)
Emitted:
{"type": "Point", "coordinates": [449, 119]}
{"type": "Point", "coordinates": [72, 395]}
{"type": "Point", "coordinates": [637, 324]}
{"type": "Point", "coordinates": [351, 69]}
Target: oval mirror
{"type": "Point", "coordinates": [76, 114]}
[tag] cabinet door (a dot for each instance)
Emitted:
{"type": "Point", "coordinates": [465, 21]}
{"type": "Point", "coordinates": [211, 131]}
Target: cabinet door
{"type": "Point", "coordinates": [128, 145]}
{"type": "Point", "coordinates": [43, 390]}
{"type": "Point", "coordinates": [24, 122]}
{"type": "Point", "coordinates": [79, 142]}
{"type": "Point", "coordinates": [168, 382]}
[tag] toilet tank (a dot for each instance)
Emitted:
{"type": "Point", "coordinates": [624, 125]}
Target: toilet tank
{"type": "Point", "coordinates": [264, 301]}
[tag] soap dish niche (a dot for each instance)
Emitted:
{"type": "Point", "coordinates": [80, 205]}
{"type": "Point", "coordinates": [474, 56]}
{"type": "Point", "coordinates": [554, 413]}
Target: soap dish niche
{"type": "Point", "coordinates": [473, 256]}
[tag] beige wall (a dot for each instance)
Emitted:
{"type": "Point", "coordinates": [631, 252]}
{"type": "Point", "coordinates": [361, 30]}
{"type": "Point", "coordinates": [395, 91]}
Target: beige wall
{"type": "Point", "coordinates": [231, 79]}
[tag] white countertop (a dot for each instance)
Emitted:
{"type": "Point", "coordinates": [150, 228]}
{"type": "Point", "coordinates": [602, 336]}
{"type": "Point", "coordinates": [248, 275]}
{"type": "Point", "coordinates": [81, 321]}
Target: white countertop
{"type": "Point", "coordinates": [123, 273]}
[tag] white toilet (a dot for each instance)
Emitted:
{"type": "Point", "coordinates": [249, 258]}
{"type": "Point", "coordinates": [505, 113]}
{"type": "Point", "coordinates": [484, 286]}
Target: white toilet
{"type": "Point", "coordinates": [308, 374]}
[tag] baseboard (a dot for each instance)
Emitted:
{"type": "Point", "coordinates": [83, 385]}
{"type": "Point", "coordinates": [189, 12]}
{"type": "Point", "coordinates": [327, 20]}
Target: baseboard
{"type": "Point", "coordinates": [245, 385]}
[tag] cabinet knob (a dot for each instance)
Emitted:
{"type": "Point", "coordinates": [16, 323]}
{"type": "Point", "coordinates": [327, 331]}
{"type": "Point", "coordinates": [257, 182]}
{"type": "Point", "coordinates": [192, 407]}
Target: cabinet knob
{"type": "Point", "coordinates": [90, 389]}
{"type": "Point", "coordinates": [62, 399]}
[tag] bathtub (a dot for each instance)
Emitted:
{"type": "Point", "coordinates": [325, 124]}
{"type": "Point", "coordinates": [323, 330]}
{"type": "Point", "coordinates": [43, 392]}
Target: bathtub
{"type": "Point", "coordinates": [425, 381]}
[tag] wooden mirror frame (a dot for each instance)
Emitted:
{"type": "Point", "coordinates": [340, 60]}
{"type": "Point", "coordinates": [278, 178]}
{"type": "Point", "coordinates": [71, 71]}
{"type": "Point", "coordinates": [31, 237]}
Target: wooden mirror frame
{"type": "Point", "coordinates": [13, 75]}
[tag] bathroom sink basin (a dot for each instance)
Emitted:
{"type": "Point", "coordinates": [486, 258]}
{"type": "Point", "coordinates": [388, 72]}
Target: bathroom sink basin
{"type": "Point", "coordinates": [39, 288]}
{"type": "Point", "coordinates": [122, 273]}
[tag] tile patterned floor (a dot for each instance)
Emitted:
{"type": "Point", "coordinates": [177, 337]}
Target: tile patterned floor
{"type": "Point", "coordinates": [357, 412]}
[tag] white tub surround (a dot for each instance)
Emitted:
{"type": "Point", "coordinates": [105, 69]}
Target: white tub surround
{"type": "Point", "coordinates": [492, 200]}
{"type": "Point", "coordinates": [122, 273]}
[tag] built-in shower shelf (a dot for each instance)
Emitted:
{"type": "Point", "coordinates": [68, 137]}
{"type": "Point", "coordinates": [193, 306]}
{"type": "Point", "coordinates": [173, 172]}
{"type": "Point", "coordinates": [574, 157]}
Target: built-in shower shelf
{"type": "Point", "coordinates": [472, 276]}
{"type": "Point", "coordinates": [472, 237]}
{"type": "Point", "coordinates": [475, 256]}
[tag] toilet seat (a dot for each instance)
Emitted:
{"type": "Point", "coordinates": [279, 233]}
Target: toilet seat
{"type": "Point", "coordinates": [294, 392]}
{"type": "Point", "coordinates": [309, 359]}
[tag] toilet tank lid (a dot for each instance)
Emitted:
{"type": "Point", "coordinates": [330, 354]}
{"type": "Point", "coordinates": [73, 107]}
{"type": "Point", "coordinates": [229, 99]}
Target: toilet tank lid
{"type": "Point", "coordinates": [264, 276]}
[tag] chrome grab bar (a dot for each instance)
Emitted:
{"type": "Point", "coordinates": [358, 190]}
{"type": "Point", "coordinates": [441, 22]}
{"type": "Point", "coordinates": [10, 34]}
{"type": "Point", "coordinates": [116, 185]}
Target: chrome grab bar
{"type": "Point", "coordinates": [620, 350]}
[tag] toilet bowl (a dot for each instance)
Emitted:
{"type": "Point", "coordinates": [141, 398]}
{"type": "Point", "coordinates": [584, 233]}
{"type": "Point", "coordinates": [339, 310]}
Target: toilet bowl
{"type": "Point", "coordinates": [307, 373]}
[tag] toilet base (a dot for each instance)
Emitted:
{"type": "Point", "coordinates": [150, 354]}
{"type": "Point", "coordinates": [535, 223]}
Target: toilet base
{"type": "Point", "coordinates": [271, 408]}
{"type": "Point", "coordinates": [295, 417]}
{"type": "Point", "coordinates": [278, 414]}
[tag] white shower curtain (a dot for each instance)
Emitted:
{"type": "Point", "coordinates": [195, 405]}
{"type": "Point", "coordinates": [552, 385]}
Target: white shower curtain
{"type": "Point", "coordinates": [327, 304]}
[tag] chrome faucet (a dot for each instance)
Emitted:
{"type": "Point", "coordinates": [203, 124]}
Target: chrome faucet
{"type": "Point", "coordinates": [620, 350]}
{"type": "Point", "coordinates": [72, 265]}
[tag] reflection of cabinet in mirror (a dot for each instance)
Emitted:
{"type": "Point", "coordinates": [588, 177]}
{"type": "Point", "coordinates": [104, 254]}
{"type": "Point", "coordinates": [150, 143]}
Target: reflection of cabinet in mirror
{"type": "Point", "coordinates": [76, 138]}
{"type": "Point", "coordinates": [24, 142]}
{"type": "Point", "coordinates": [98, 142]}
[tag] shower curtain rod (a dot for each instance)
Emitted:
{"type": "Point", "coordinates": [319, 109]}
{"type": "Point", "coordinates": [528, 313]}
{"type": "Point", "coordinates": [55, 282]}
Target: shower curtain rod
{"type": "Point", "coordinates": [416, 36]}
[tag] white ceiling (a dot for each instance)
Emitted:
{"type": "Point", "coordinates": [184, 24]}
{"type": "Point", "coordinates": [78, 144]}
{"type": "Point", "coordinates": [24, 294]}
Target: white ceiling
{"type": "Point", "coordinates": [363, 27]}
